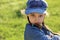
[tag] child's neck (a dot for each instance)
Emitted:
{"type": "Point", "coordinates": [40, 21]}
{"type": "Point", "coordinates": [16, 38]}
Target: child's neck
{"type": "Point", "coordinates": [36, 25]}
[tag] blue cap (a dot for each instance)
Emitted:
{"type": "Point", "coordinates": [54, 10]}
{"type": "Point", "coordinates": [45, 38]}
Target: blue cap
{"type": "Point", "coordinates": [38, 6]}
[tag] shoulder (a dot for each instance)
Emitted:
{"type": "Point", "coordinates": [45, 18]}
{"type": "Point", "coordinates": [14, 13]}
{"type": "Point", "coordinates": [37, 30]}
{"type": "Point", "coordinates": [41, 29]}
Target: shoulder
{"type": "Point", "coordinates": [33, 31]}
{"type": "Point", "coordinates": [35, 34]}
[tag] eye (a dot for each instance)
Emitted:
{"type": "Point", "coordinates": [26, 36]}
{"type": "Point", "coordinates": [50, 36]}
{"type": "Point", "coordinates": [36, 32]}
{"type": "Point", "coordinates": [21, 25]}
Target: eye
{"type": "Point", "coordinates": [40, 15]}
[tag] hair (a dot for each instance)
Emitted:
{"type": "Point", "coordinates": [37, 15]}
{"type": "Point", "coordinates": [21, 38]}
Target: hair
{"type": "Point", "coordinates": [44, 26]}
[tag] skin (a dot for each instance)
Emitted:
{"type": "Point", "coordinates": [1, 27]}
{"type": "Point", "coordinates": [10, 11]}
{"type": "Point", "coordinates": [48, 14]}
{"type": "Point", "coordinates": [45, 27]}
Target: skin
{"type": "Point", "coordinates": [36, 18]}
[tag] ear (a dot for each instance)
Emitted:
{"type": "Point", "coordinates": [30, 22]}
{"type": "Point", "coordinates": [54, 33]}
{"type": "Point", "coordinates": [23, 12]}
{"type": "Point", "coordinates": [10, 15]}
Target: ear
{"type": "Point", "coordinates": [44, 15]}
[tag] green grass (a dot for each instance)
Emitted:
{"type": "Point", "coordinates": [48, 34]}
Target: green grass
{"type": "Point", "coordinates": [12, 23]}
{"type": "Point", "coordinates": [53, 20]}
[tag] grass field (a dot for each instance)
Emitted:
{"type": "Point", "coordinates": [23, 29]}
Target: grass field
{"type": "Point", "coordinates": [12, 22]}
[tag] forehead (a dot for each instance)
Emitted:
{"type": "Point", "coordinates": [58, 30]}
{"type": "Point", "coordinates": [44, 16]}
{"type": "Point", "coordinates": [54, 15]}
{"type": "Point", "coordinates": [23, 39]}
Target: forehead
{"type": "Point", "coordinates": [35, 14]}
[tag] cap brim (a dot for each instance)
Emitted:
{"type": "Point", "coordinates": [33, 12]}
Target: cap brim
{"type": "Point", "coordinates": [37, 10]}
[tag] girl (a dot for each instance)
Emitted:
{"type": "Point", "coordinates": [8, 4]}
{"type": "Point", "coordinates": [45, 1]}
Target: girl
{"type": "Point", "coordinates": [36, 29]}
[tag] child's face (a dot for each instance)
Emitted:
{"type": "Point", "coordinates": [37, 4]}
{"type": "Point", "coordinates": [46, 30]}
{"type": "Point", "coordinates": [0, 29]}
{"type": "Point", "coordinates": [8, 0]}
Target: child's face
{"type": "Point", "coordinates": [36, 18]}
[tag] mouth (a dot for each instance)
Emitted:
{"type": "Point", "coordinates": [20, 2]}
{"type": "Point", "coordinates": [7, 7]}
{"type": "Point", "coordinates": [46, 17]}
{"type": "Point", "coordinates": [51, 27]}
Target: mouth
{"type": "Point", "coordinates": [38, 24]}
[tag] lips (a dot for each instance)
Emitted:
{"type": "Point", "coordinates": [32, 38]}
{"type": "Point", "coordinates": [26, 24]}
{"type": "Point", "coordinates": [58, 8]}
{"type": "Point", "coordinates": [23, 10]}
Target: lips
{"type": "Point", "coordinates": [37, 24]}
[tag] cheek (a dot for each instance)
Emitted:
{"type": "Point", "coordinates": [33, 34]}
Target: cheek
{"type": "Point", "coordinates": [31, 20]}
{"type": "Point", "coordinates": [41, 20]}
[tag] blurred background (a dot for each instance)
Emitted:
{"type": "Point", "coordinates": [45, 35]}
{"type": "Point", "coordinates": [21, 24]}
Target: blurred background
{"type": "Point", "coordinates": [13, 18]}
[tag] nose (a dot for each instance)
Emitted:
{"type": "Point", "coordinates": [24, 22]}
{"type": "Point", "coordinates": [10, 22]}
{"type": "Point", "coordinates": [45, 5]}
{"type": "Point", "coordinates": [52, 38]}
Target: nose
{"type": "Point", "coordinates": [37, 20]}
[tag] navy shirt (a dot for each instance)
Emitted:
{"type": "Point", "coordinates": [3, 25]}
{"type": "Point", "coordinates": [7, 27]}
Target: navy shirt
{"type": "Point", "coordinates": [34, 33]}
